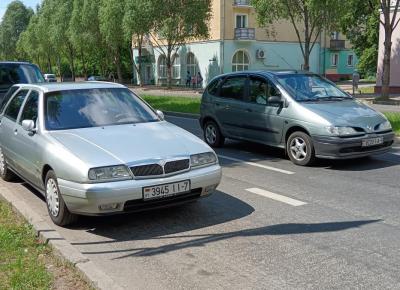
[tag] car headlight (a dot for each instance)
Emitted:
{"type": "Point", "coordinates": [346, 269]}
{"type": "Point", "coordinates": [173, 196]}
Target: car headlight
{"type": "Point", "coordinates": [118, 172]}
{"type": "Point", "coordinates": [385, 126]}
{"type": "Point", "coordinates": [203, 159]}
{"type": "Point", "coordinates": [342, 131]}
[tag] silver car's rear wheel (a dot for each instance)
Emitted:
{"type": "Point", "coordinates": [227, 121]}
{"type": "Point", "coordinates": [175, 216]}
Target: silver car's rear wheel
{"type": "Point", "coordinates": [5, 173]}
{"type": "Point", "coordinates": [56, 206]}
{"type": "Point", "coordinates": [300, 149]}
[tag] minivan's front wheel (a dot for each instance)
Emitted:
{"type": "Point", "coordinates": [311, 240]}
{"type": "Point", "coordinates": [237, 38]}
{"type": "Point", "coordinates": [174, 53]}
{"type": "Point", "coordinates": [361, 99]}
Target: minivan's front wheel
{"type": "Point", "coordinates": [300, 149]}
{"type": "Point", "coordinates": [212, 134]}
{"type": "Point", "coordinates": [56, 207]}
{"type": "Point", "coordinates": [5, 173]}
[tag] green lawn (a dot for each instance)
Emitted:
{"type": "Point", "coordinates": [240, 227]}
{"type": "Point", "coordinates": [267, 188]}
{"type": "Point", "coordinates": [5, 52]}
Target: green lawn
{"type": "Point", "coordinates": [394, 118]}
{"type": "Point", "coordinates": [174, 104]}
{"type": "Point", "coordinates": [367, 90]}
{"type": "Point", "coordinates": [21, 255]}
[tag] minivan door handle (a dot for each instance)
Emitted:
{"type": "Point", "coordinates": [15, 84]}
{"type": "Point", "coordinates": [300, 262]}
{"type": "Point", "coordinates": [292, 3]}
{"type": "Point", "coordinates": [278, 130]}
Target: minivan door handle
{"type": "Point", "coordinates": [15, 131]}
{"type": "Point", "coordinates": [249, 110]}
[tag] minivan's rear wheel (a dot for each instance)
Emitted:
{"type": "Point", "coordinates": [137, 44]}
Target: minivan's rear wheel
{"type": "Point", "coordinates": [212, 134]}
{"type": "Point", "coordinates": [300, 149]}
{"type": "Point", "coordinates": [5, 173]}
{"type": "Point", "coordinates": [56, 207]}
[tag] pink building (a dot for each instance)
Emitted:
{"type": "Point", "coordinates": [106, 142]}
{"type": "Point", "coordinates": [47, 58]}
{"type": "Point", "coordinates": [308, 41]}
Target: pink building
{"type": "Point", "coordinates": [395, 62]}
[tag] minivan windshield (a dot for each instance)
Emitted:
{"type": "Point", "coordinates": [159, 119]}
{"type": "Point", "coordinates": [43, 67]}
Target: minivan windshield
{"type": "Point", "coordinates": [16, 73]}
{"type": "Point", "coordinates": [309, 87]}
{"type": "Point", "coordinates": [85, 108]}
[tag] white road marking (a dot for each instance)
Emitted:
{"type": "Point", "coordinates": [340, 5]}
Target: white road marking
{"type": "Point", "coordinates": [257, 165]}
{"type": "Point", "coordinates": [276, 197]}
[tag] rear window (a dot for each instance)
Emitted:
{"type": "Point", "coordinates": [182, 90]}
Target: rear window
{"type": "Point", "coordinates": [11, 74]}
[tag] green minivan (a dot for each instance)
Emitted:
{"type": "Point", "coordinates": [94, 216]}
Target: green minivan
{"type": "Point", "coordinates": [304, 113]}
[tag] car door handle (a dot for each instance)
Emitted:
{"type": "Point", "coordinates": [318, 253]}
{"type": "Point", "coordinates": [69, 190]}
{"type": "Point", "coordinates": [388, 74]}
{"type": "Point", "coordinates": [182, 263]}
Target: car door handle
{"type": "Point", "coordinates": [249, 110]}
{"type": "Point", "coordinates": [15, 131]}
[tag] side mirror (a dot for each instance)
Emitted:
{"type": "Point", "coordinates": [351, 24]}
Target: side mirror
{"type": "Point", "coordinates": [28, 125]}
{"type": "Point", "coordinates": [160, 114]}
{"type": "Point", "coordinates": [275, 100]}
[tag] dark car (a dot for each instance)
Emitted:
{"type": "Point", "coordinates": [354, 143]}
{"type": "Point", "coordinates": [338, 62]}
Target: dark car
{"type": "Point", "coordinates": [12, 73]}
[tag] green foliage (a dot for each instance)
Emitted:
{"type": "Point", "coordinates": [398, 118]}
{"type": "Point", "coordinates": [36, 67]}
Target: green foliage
{"type": "Point", "coordinates": [394, 119]}
{"type": "Point", "coordinates": [308, 18]}
{"type": "Point", "coordinates": [15, 21]}
{"type": "Point", "coordinates": [360, 24]}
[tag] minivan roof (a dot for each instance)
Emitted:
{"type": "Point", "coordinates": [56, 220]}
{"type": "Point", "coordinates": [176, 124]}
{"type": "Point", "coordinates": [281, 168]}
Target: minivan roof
{"type": "Point", "coordinates": [266, 72]}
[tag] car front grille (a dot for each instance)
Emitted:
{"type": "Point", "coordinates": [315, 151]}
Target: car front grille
{"type": "Point", "coordinates": [175, 166]}
{"type": "Point", "coordinates": [147, 170]}
{"type": "Point", "coordinates": [155, 169]}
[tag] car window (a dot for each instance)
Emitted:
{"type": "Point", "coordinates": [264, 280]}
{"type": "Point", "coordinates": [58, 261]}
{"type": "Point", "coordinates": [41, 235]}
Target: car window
{"type": "Point", "coordinates": [30, 110]}
{"type": "Point", "coordinates": [11, 74]}
{"type": "Point", "coordinates": [85, 108]}
{"type": "Point", "coordinates": [213, 87]}
{"type": "Point", "coordinates": [7, 97]}
{"type": "Point", "coordinates": [261, 89]}
{"type": "Point", "coordinates": [233, 88]}
{"type": "Point", "coordinates": [14, 105]}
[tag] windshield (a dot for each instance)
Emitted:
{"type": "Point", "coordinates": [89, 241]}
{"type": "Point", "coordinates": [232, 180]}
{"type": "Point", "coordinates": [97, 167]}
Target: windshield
{"type": "Point", "coordinates": [94, 108]}
{"type": "Point", "coordinates": [311, 88]}
{"type": "Point", "coordinates": [11, 74]}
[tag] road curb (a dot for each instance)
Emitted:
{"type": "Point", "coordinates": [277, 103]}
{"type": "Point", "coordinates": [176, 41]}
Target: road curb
{"type": "Point", "coordinates": [182, 115]}
{"type": "Point", "coordinates": [61, 248]}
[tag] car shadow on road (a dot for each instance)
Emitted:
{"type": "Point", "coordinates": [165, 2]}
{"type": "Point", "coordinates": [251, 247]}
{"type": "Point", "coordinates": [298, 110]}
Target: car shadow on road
{"type": "Point", "coordinates": [201, 240]}
{"type": "Point", "coordinates": [216, 209]}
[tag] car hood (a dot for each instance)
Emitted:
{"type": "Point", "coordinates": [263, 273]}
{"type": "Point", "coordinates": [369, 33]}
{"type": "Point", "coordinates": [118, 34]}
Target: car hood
{"type": "Point", "coordinates": [347, 113]}
{"type": "Point", "coordinates": [129, 144]}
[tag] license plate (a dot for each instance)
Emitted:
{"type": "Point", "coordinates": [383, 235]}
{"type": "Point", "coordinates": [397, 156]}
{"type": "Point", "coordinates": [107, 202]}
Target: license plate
{"type": "Point", "coordinates": [372, 142]}
{"type": "Point", "coordinates": [165, 190]}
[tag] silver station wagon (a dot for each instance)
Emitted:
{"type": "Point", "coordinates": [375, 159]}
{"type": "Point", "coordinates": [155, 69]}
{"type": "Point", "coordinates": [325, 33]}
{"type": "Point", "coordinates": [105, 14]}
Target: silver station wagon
{"type": "Point", "coordinates": [301, 112]}
{"type": "Point", "coordinates": [96, 149]}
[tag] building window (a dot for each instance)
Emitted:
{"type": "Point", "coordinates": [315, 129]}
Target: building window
{"type": "Point", "coordinates": [192, 64]}
{"type": "Point", "coordinates": [241, 21]}
{"type": "Point", "coordinates": [162, 67]}
{"type": "Point", "coordinates": [350, 60]}
{"type": "Point", "coordinates": [335, 35]}
{"type": "Point", "coordinates": [240, 61]}
{"type": "Point", "coordinates": [334, 59]}
{"type": "Point", "coordinates": [176, 67]}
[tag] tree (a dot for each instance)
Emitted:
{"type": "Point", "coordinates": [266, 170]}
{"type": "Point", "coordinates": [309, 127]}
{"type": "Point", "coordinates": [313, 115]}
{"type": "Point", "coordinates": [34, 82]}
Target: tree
{"type": "Point", "coordinates": [111, 16]}
{"type": "Point", "coordinates": [308, 18]}
{"type": "Point", "coordinates": [178, 22]}
{"type": "Point", "coordinates": [15, 21]}
{"type": "Point", "coordinates": [389, 21]}
{"type": "Point", "coordinates": [138, 21]}
{"type": "Point", "coordinates": [360, 24]}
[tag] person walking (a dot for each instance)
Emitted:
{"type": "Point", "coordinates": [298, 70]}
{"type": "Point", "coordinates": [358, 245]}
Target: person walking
{"type": "Point", "coordinates": [199, 80]}
{"type": "Point", "coordinates": [188, 79]}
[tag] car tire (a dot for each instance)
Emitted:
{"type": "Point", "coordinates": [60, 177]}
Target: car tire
{"type": "Point", "coordinates": [213, 135]}
{"type": "Point", "coordinates": [56, 207]}
{"type": "Point", "coordinates": [300, 149]}
{"type": "Point", "coordinates": [5, 173]}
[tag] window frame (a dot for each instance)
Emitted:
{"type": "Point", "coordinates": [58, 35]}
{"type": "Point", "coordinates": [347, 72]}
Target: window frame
{"type": "Point", "coordinates": [245, 90]}
{"type": "Point", "coordinates": [162, 67]}
{"type": "Point", "coordinates": [21, 106]}
{"type": "Point", "coordinates": [270, 84]}
{"type": "Point", "coordinates": [244, 23]}
{"type": "Point", "coordinates": [243, 64]}
{"type": "Point", "coordinates": [350, 56]}
{"type": "Point", "coordinates": [334, 56]}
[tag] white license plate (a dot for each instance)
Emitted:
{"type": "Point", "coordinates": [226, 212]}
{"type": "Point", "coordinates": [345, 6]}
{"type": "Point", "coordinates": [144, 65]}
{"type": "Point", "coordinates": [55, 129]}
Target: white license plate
{"type": "Point", "coordinates": [372, 142]}
{"type": "Point", "coordinates": [165, 190]}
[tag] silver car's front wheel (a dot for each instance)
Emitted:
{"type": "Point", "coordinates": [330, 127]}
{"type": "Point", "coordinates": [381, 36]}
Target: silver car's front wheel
{"type": "Point", "coordinates": [5, 173]}
{"type": "Point", "coordinates": [56, 206]}
{"type": "Point", "coordinates": [52, 197]}
{"type": "Point", "coordinates": [300, 149]}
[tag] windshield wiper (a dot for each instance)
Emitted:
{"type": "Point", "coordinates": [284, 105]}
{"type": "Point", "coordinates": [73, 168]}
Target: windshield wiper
{"type": "Point", "coordinates": [335, 98]}
{"type": "Point", "coordinates": [308, 100]}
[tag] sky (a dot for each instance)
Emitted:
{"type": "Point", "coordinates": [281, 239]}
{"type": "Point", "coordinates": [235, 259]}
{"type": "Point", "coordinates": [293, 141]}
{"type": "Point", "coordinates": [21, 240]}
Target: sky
{"type": "Point", "coordinates": [4, 3]}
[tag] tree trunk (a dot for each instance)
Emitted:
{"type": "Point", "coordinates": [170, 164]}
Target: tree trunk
{"type": "Point", "coordinates": [118, 65]}
{"type": "Point", "coordinates": [140, 70]}
{"type": "Point", "coordinates": [169, 68]}
{"type": "Point", "coordinates": [386, 64]}
{"type": "Point", "coordinates": [307, 37]}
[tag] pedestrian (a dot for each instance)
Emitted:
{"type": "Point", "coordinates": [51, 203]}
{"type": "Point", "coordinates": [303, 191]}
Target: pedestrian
{"type": "Point", "coordinates": [188, 79]}
{"type": "Point", "coordinates": [356, 80]}
{"type": "Point", "coordinates": [199, 79]}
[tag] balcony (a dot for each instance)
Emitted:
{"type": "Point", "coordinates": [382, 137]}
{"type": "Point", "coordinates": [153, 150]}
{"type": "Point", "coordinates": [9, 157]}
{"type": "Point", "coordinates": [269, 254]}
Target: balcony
{"type": "Point", "coordinates": [245, 33]}
{"type": "Point", "coordinates": [337, 44]}
{"type": "Point", "coordinates": [242, 3]}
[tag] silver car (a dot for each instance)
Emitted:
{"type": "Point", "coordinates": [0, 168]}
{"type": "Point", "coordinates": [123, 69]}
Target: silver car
{"type": "Point", "coordinates": [301, 112]}
{"type": "Point", "coordinates": [98, 149]}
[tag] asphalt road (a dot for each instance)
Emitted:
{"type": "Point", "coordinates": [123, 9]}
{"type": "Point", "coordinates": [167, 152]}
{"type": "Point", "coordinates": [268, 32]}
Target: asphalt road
{"type": "Point", "coordinates": [270, 225]}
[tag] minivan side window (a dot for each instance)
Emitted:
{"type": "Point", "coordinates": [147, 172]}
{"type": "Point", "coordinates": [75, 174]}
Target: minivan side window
{"type": "Point", "coordinates": [261, 89]}
{"type": "Point", "coordinates": [233, 88]}
{"type": "Point", "coordinates": [30, 110]}
{"type": "Point", "coordinates": [14, 106]}
{"type": "Point", "coordinates": [213, 87]}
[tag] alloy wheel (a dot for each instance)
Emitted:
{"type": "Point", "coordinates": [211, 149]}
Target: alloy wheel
{"type": "Point", "coordinates": [52, 197]}
{"type": "Point", "coordinates": [211, 134]}
{"type": "Point", "coordinates": [298, 148]}
{"type": "Point", "coordinates": [2, 163]}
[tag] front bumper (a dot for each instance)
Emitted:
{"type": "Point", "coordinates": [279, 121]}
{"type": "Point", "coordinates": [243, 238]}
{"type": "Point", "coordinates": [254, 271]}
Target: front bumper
{"type": "Point", "coordinates": [347, 148]}
{"type": "Point", "coordinates": [86, 199]}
